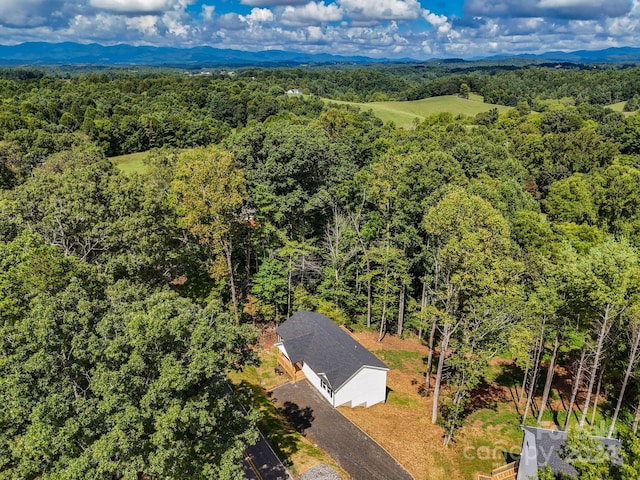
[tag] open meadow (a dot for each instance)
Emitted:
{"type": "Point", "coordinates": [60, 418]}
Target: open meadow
{"type": "Point", "coordinates": [132, 162]}
{"type": "Point", "coordinates": [403, 114]}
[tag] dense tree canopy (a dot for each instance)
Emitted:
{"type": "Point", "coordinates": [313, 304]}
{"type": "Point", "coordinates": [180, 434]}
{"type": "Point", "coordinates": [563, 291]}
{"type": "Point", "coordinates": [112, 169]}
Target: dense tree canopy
{"type": "Point", "coordinates": [126, 298]}
{"type": "Point", "coordinates": [112, 380]}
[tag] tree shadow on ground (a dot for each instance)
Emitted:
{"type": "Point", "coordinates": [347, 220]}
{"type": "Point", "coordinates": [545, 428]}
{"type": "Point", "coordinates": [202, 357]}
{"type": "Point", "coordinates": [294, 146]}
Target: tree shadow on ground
{"type": "Point", "coordinates": [298, 418]}
{"type": "Point", "coordinates": [510, 377]}
{"type": "Point", "coordinates": [282, 437]}
{"type": "Point", "coordinates": [487, 396]}
{"type": "Point", "coordinates": [501, 389]}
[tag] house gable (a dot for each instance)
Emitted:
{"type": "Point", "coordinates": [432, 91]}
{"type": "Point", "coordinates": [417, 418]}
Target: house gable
{"type": "Point", "coordinates": [325, 348]}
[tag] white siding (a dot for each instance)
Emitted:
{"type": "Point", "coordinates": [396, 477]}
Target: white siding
{"type": "Point", "coordinates": [316, 382]}
{"type": "Point", "coordinates": [367, 387]}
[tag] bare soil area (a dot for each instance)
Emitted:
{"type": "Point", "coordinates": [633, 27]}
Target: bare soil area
{"type": "Point", "coordinates": [403, 424]}
{"type": "Point", "coordinates": [404, 428]}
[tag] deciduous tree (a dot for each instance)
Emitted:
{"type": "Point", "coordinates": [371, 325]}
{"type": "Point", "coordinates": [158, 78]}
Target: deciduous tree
{"type": "Point", "coordinates": [210, 192]}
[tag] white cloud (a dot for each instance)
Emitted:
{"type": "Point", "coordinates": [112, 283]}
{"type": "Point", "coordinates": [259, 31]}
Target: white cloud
{"type": "Point", "coordinates": [315, 34]}
{"type": "Point", "coordinates": [175, 25]}
{"type": "Point", "coordinates": [433, 19]}
{"type": "Point", "coordinates": [231, 21]}
{"type": "Point", "coordinates": [232, 24]}
{"type": "Point", "coordinates": [21, 12]}
{"type": "Point", "coordinates": [439, 22]}
{"type": "Point", "coordinates": [374, 39]}
{"type": "Point", "coordinates": [628, 26]}
{"type": "Point", "coordinates": [379, 10]}
{"type": "Point", "coordinates": [569, 3]}
{"type": "Point", "coordinates": [311, 14]}
{"type": "Point", "coordinates": [259, 15]}
{"type": "Point", "coordinates": [208, 11]}
{"type": "Point", "coordinates": [101, 26]}
{"type": "Point", "coordinates": [569, 9]}
{"type": "Point", "coordinates": [134, 6]}
{"type": "Point", "coordinates": [272, 3]}
{"type": "Point", "coordinates": [145, 24]}
{"type": "Point", "coordinates": [140, 6]}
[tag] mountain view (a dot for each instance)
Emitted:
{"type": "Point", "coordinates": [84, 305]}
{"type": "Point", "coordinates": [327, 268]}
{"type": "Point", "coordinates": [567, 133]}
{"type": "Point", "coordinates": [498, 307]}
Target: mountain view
{"type": "Point", "coordinates": [69, 53]}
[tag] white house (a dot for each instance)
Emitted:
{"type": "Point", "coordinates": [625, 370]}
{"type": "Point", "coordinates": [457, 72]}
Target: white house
{"type": "Point", "coordinates": [345, 373]}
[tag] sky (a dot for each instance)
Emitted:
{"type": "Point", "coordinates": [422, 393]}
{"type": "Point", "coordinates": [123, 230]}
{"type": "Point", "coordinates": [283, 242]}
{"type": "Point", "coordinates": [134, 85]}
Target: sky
{"type": "Point", "coordinates": [417, 29]}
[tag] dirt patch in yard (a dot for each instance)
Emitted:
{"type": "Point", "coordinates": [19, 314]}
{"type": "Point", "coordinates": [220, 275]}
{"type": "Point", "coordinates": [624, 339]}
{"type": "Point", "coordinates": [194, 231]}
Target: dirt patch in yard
{"type": "Point", "coordinates": [268, 336]}
{"type": "Point", "coordinates": [403, 425]}
{"type": "Point", "coordinates": [370, 340]}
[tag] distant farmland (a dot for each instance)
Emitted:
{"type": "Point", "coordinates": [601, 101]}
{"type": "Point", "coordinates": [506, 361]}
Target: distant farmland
{"type": "Point", "coordinates": [132, 162]}
{"type": "Point", "coordinates": [404, 113]}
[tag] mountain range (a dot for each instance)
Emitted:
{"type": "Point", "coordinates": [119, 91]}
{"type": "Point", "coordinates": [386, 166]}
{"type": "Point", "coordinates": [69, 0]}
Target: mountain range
{"type": "Point", "coordinates": [69, 53]}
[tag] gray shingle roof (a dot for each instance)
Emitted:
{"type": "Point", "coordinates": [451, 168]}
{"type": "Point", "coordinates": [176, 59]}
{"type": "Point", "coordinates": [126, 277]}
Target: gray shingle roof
{"type": "Point", "coordinates": [325, 347]}
{"type": "Point", "coordinates": [548, 444]}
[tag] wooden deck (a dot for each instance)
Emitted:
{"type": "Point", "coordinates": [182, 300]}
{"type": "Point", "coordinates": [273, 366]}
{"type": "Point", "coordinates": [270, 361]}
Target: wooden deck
{"type": "Point", "coordinates": [506, 472]}
{"type": "Point", "coordinates": [293, 370]}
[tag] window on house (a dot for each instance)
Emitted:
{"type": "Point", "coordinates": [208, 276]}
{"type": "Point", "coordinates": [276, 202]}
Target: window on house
{"type": "Point", "coordinates": [325, 386]}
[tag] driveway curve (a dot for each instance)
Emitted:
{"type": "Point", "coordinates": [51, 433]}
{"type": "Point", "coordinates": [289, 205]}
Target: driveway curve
{"type": "Point", "coordinates": [357, 453]}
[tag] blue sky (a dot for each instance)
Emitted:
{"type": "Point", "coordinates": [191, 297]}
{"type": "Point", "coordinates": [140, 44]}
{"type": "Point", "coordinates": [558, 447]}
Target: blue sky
{"type": "Point", "coordinates": [419, 29]}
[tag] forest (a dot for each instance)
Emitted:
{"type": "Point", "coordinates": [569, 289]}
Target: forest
{"type": "Point", "coordinates": [126, 299]}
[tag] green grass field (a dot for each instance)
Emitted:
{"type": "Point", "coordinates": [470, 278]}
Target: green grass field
{"type": "Point", "coordinates": [617, 106]}
{"type": "Point", "coordinates": [133, 162]}
{"type": "Point", "coordinates": [403, 114]}
{"type": "Point", "coordinates": [561, 103]}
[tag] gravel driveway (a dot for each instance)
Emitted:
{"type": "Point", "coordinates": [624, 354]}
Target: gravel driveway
{"type": "Point", "coordinates": [350, 447]}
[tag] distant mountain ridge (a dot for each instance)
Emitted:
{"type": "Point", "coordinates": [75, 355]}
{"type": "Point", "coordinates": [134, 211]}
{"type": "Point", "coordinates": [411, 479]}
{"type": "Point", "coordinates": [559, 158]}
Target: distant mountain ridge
{"type": "Point", "coordinates": [69, 53]}
{"type": "Point", "coordinates": [608, 55]}
{"type": "Point", "coordinates": [93, 54]}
